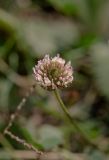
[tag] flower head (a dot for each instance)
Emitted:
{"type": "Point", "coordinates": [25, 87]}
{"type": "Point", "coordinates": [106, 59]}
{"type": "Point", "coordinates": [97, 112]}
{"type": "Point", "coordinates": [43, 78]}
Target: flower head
{"type": "Point", "coordinates": [53, 73]}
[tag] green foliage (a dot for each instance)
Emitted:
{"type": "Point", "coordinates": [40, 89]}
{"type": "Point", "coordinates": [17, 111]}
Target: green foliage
{"type": "Point", "coordinates": [100, 58]}
{"type": "Point", "coordinates": [78, 30]}
{"type": "Point", "coordinates": [66, 6]}
{"type": "Point", "coordinates": [50, 137]}
{"type": "Point", "coordinates": [5, 87]}
{"type": "Point", "coordinates": [91, 129]}
{"type": "Point", "coordinates": [96, 155]}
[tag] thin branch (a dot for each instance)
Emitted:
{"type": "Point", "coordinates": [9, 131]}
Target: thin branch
{"type": "Point", "coordinates": [23, 142]}
{"type": "Point", "coordinates": [12, 119]}
{"type": "Point", "coordinates": [54, 155]}
{"type": "Point", "coordinates": [19, 107]}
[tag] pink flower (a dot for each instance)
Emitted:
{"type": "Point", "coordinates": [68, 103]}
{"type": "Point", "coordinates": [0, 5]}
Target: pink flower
{"type": "Point", "coordinates": [52, 73]}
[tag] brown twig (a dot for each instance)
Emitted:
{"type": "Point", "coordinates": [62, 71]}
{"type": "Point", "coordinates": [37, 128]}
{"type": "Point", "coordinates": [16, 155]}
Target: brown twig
{"type": "Point", "coordinates": [23, 142]}
{"type": "Point", "coordinates": [19, 107]}
{"type": "Point", "coordinates": [53, 155]}
{"type": "Point", "coordinates": [12, 119]}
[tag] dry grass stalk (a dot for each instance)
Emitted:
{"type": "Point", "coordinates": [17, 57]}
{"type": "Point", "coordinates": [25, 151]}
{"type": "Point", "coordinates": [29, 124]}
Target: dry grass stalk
{"type": "Point", "coordinates": [12, 119]}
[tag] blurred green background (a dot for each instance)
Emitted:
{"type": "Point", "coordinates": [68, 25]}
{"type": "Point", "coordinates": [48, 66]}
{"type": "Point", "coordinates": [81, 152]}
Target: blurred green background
{"type": "Point", "coordinates": [79, 31]}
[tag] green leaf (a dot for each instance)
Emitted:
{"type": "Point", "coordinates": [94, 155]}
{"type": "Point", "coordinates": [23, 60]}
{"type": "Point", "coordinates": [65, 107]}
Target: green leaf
{"type": "Point", "coordinates": [5, 88]}
{"type": "Point", "coordinates": [29, 138]}
{"type": "Point", "coordinates": [72, 8]}
{"type": "Point", "coordinates": [66, 6]}
{"type": "Point", "coordinates": [96, 155]}
{"type": "Point", "coordinates": [49, 36]}
{"type": "Point", "coordinates": [86, 40]}
{"type": "Point", "coordinates": [91, 128]}
{"type": "Point", "coordinates": [100, 66]}
{"type": "Point", "coordinates": [94, 6]}
{"type": "Point", "coordinates": [50, 136]}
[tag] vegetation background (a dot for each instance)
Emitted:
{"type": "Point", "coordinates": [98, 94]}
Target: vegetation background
{"type": "Point", "coordinates": [79, 31]}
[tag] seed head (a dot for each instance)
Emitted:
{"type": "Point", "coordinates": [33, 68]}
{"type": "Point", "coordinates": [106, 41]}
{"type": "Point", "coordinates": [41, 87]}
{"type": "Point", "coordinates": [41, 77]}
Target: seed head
{"type": "Point", "coordinates": [52, 73]}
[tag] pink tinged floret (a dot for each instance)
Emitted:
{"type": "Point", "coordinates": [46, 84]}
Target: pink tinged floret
{"type": "Point", "coordinates": [52, 73]}
{"type": "Point", "coordinates": [58, 60]}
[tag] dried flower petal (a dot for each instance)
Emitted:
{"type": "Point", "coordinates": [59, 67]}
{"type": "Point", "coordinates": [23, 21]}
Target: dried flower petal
{"type": "Point", "coordinates": [52, 73]}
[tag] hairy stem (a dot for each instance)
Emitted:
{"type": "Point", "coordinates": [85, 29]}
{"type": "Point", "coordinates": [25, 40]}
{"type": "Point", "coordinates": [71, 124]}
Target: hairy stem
{"type": "Point", "coordinates": [73, 122]}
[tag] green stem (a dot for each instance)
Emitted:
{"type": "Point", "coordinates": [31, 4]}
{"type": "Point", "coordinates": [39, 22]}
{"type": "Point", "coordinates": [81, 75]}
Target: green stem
{"type": "Point", "coordinates": [73, 122]}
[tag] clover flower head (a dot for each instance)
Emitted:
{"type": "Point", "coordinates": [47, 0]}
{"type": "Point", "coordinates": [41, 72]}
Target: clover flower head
{"type": "Point", "coordinates": [52, 73]}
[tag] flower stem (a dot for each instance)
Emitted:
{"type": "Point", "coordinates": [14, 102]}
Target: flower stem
{"type": "Point", "coordinates": [73, 122]}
